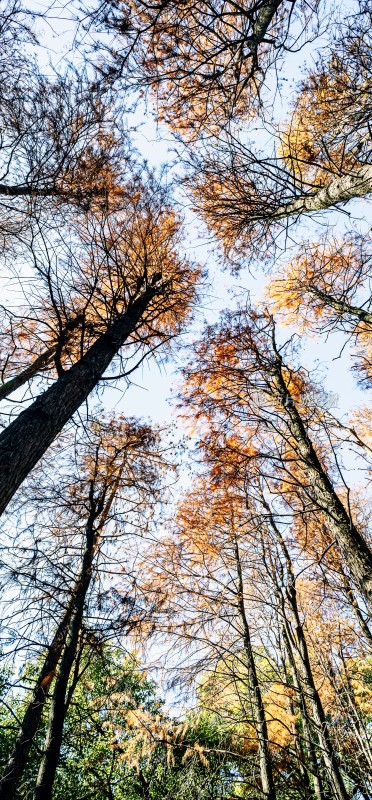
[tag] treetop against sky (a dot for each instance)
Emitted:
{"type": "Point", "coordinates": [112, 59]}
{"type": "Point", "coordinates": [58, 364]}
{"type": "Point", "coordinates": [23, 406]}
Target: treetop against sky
{"type": "Point", "coordinates": [185, 374]}
{"type": "Point", "coordinates": [156, 143]}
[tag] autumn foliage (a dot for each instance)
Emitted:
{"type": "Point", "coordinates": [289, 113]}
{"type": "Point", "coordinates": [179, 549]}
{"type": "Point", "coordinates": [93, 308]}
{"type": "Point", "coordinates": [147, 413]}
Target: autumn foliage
{"type": "Point", "coordinates": [186, 604]}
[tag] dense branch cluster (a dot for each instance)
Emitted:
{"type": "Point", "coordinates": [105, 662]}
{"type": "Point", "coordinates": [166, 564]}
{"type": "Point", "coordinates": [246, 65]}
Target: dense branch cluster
{"type": "Point", "coordinates": [205, 63]}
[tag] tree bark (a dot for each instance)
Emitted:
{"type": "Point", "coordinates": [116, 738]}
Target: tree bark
{"type": "Point", "coordinates": [348, 701]}
{"type": "Point", "coordinates": [45, 190]}
{"type": "Point", "coordinates": [297, 645]}
{"type": "Point", "coordinates": [319, 719]}
{"type": "Point", "coordinates": [303, 680]}
{"type": "Point", "coordinates": [31, 720]}
{"type": "Point", "coordinates": [28, 190]}
{"type": "Point", "coordinates": [311, 693]}
{"type": "Point", "coordinates": [340, 189]}
{"type": "Point", "coordinates": [24, 442]}
{"type": "Point", "coordinates": [262, 23]}
{"type": "Point", "coordinates": [355, 606]}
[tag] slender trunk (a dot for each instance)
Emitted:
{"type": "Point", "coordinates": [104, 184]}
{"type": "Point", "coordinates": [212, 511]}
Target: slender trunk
{"type": "Point", "coordinates": [340, 189]}
{"type": "Point", "coordinates": [24, 442]}
{"type": "Point", "coordinates": [145, 786]}
{"type": "Point", "coordinates": [313, 764]}
{"type": "Point", "coordinates": [99, 511]}
{"type": "Point", "coordinates": [346, 697]}
{"type": "Point", "coordinates": [320, 723]}
{"type": "Point", "coordinates": [31, 720]}
{"type": "Point", "coordinates": [58, 707]}
{"type": "Point", "coordinates": [351, 542]}
{"type": "Point", "coordinates": [299, 738]}
{"type": "Point", "coordinates": [305, 780]}
{"type": "Point", "coordinates": [266, 772]}
{"type": "Point", "coordinates": [304, 683]}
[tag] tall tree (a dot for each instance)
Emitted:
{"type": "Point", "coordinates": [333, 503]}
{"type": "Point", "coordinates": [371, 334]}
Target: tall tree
{"type": "Point", "coordinates": [298, 654]}
{"type": "Point", "coordinates": [108, 753]}
{"type": "Point", "coordinates": [111, 480]}
{"type": "Point", "coordinates": [249, 384]}
{"type": "Point", "coordinates": [326, 287]}
{"type": "Point", "coordinates": [319, 162]}
{"type": "Point", "coordinates": [201, 577]}
{"type": "Point", "coordinates": [139, 290]}
{"type": "Point", "coordinates": [64, 148]}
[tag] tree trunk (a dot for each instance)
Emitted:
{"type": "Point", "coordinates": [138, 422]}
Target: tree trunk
{"type": "Point", "coordinates": [24, 442]}
{"type": "Point", "coordinates": [266, 772]}
{"type": "Point", "coordinates": [344, 308]}
{"type": "Point", "coordinates": [303, 679]}
{"type": "Point", "coordinates": [261, 23]}
{"type": "Point", "coordinates": [340, 189]}
{"type": "Point", "coordinates": [320, 489]}
{"type": "Point", "coordinates": [349, 703]}
{"type": "Point", "coordinates": [318, 716]}
{"type": "Point", "coordinates": [31, 720]}
{"type": "Point", "coordinates": [27, 190]}
{"type": "Point", "coordinates": [58, 707]}
{"type": "Point", "coordinates": [301, 738]}
{"type": "Point", "coordinates": [313, 765]}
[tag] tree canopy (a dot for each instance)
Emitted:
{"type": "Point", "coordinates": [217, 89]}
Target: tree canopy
{"type": "Point", "coordinates": [186, 597]}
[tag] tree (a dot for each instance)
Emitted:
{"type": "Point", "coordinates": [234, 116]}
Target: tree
{"type": "Point", "coordinates": [297, 704]}
{"type": "Point", "coordinates": [205, 63]}
{"type": "Point", "coordinates": [319, 162]}
{"type": "Point", "coordinates": [240, 376]}
{"type": "Point", "coordinates": [64, 149]}
{"type": "Point", "coordinates": [325, 287]}
{"type": "Point", "coordinates": [315, 538]}
{"type": "Point", "coordinates": [140, 290]}
{"type": "Point", "coordinates": [106, 494]}
{"type": "Point", "coordinates": [106, 752]}
{"type": "Point", "coordinates": [81, 279]}
{"type": "Point", "coordinates": [111, 687]}
{"type": "Point", "coordinates": [258, 590]}
{"type": "Point", "coordinates": [298, 655]}
{"type": "Point", "coordinates": [71, 193]}
{"type": "Point", "coordinates": [200, 578]}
